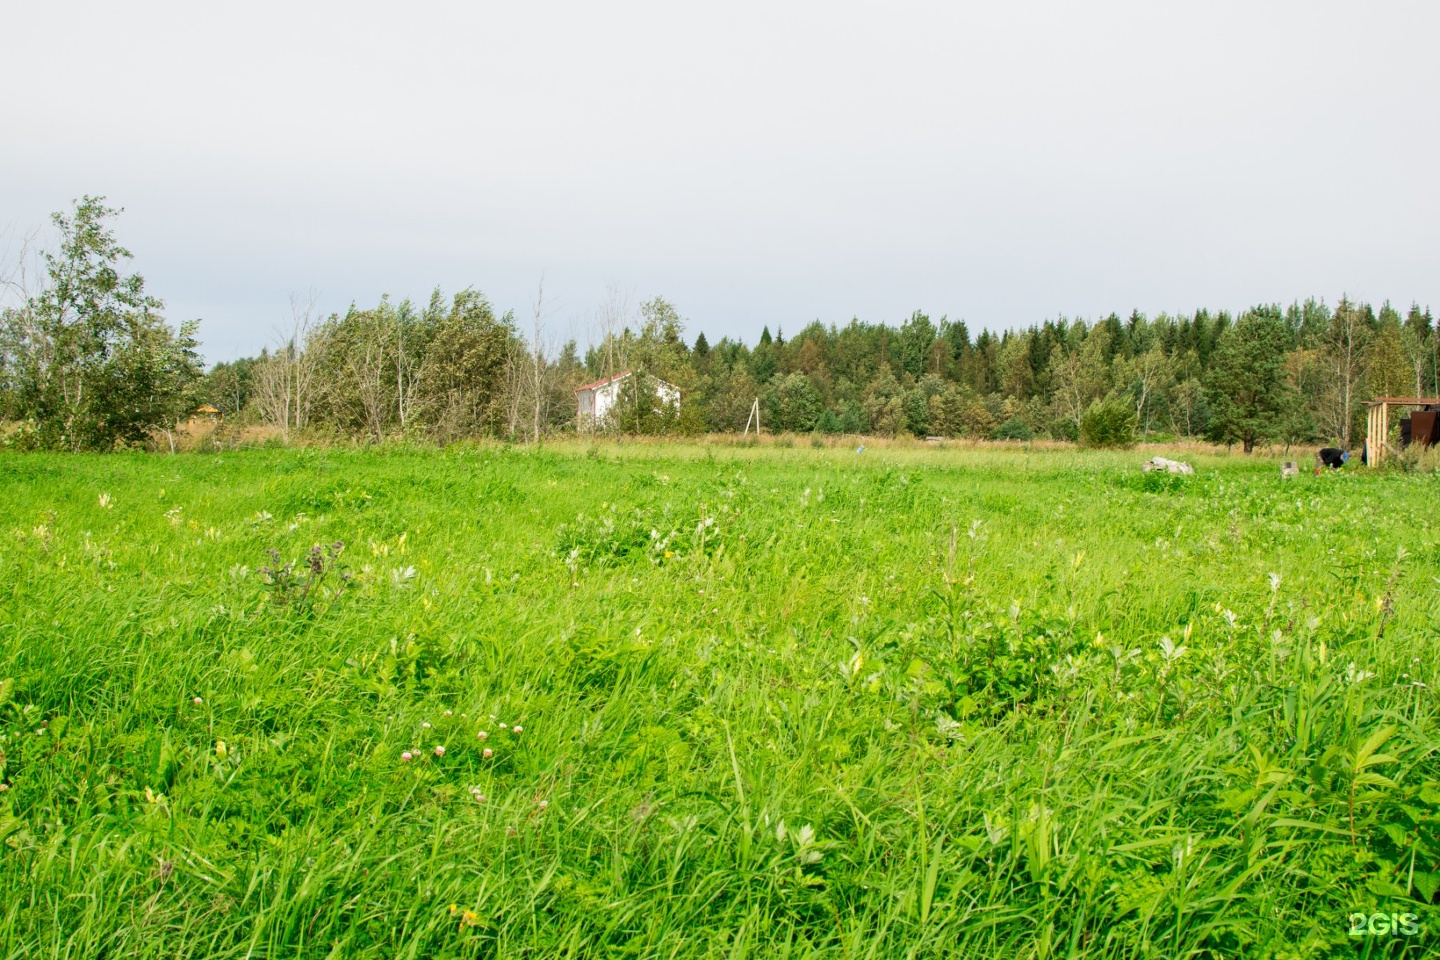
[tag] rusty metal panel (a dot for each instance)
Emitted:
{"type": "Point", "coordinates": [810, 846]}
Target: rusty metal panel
{"type": "Point", "coordinates": [1425, 427]}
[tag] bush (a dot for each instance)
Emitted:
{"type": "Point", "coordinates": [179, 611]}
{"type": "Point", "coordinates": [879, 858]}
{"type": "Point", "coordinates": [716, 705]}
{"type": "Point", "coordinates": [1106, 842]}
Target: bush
{"type": "Point", "coordinates": [1418, 458]}
{"type": "Point", "coordinates": [1108, 423]}
{"type": "Point", "coordinates": [1156, 481]}
{"type": "Point", "coordinates": [1013, 429]}
{"type": "Point", "coordinates": [1063, 429]}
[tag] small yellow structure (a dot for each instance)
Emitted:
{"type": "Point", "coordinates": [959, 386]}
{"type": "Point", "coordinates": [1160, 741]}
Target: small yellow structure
{"type": "Point", "coordinates": [205, 413]}
{"type": "Point", "coordinates": [1377, 430]}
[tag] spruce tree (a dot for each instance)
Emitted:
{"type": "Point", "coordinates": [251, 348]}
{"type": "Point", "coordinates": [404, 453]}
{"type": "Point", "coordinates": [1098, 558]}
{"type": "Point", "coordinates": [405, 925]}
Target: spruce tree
{"type": "Point", "coordinates": [1246, 389]}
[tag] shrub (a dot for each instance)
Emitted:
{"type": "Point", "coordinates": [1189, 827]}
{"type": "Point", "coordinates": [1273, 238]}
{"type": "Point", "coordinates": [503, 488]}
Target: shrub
{"type": "Point", "coordinates": [1108, 423]}
{"type": "Point", "coordinates": [1013, 429]}
{"type": "Point", "coordinates": [828, 422]}
{"type": "Point", "coordinates": [1418, 458]}
{"type": "Point", "coordinates": [1155, 481]}
{"type": "Point", "coordinates": [1063, 429]}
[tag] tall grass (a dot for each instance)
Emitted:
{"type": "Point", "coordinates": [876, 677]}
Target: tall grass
{"type": "Point", "coordinates": [771, 702]}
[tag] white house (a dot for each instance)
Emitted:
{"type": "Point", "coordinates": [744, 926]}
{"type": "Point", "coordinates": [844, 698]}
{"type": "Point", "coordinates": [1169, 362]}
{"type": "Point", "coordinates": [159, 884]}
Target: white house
{"type": "Point", "coordinates": [595, 400]}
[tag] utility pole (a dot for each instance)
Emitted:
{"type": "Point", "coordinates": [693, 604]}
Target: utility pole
{"type": "Point", "coordinates": [755, 416]}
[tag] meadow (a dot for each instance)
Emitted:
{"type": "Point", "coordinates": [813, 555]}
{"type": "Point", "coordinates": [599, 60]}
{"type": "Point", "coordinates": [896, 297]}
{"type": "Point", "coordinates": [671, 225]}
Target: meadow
{"type": "Point", "coordinates": [702, 701]}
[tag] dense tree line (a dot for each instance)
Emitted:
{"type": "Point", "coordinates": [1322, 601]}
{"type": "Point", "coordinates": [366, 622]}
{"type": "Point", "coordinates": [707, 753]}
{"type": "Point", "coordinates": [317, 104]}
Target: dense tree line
{"type": "Point", "coordinates": [86, 362]}
{"type": "Point", "coordinates": [1272, 374]}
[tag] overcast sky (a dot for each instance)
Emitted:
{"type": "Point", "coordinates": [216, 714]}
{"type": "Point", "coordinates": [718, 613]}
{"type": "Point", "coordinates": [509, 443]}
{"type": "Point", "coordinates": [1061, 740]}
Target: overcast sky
{"type": "Point", "coordinates": [754, 163]}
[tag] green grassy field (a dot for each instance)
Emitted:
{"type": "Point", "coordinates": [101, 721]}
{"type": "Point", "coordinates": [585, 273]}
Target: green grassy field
{"type": "Point", "coordinates": [736, 702]}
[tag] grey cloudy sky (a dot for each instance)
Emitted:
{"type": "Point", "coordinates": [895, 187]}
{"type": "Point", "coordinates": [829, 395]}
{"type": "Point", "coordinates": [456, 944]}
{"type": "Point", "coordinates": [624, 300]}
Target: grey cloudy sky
{"type": "Point", "coordinates": [755, 163]}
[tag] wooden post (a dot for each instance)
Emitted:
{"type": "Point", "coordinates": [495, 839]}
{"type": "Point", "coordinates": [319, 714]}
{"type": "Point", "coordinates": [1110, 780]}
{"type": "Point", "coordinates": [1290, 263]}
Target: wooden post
{"type": "Point", "coordinates": [1377, 447]}
{"type": "Point", "coordinates": [1370, 436]}
{"type": "Point", "coordinates": [1384, 443]}
{"type": "Point", "coordinates": [755, 416]}
{"type": "Point", "coordinates": [1377, 432]}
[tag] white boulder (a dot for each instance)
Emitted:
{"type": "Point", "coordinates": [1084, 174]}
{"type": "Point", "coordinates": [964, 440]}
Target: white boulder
{"type": "Point", "coordinates": [1169, 466]}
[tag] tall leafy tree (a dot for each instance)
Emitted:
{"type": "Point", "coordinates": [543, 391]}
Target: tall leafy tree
{"type": "Point", "coordinates": [461, 380]}
{"type": "Point", "coordinates": [89, 361]}
{"type": "Point", "coordinates": [1346, 342]}
{"type": "Point", "coordinates": [794, 403]}
{"type": "Point", "coordinates": [228, 385]}
{"type": "Point", "coordinates": [1082, 376]}
{"type": "Point", "coordinates": [917, 335]}
{"type": "Point", "coordinates": [1246, 388]}
{"type": "Point", "coordinates": [1388, 372]}
{"type": "Point", "coordinates": [884, 406]}
{"type": "Point", "coordinates": [1017, 375]}
{"type": "Point", "coordinates": [1146, 377]}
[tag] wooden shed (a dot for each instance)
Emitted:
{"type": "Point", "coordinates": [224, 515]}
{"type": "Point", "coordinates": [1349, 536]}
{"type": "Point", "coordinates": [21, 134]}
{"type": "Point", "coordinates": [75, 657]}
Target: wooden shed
{"type": "Point", "coordinates": [1377, 427]}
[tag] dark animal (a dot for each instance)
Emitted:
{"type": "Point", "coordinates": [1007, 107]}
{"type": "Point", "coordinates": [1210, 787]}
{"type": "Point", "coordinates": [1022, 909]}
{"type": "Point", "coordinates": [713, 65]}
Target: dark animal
{"type": "Point", "coordinates": [1334, 457]}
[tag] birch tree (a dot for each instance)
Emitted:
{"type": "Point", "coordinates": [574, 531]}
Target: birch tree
{"type": "Point", "coordinates": [88, 359]}
{"type": "Point", "coordinates": [1346, 340]}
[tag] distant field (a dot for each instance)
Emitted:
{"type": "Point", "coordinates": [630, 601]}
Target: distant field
{"type": "Point", "coordinates": [737, 703]}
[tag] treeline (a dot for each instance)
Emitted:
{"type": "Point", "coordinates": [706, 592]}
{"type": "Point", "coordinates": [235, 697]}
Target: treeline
{"type": "Point", "coordinates": [86, 363]}
{"type": "Point", "coordinates": [1291, 374]}
{"type": "Point", "coordinates": [450, 369]}
{"type": "Point", "coordinates": [454, 368]}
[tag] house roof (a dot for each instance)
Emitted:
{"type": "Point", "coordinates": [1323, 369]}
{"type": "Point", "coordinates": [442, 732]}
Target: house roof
{"type": "Point", "coordinates": [1402, 401]}
{"type": "Point", "coordinates": [206, 408]}
{"type": "Point", "coordinates": [601, 382]}
{"type": "Point", "coordinates": [621, 376]}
